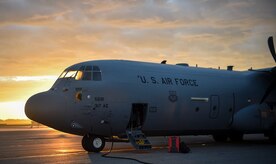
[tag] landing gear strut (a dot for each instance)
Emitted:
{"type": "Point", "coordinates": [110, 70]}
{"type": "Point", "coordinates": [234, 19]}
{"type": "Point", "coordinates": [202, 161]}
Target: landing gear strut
{"type": "Point", "coordinates": [234, 137]}
{"type": "Point", "coordinates": [220, 137]}
{"type": "Point", "coordinates": [272, 135]}
{"type": "Point", "coordinates": [92, 143]}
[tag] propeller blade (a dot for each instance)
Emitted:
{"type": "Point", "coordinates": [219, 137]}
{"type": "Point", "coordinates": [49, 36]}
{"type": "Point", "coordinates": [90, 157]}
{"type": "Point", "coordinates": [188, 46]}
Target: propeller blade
{"type": "Point", "coordinates": [271, 47]}
{"type": "Point", "coordinates": [268, 90]}
{"type": "Point", "coordinates": [273, 70]}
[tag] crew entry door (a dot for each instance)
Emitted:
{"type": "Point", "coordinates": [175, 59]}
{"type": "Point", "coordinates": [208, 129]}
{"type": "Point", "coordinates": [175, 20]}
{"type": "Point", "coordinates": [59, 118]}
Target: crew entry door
{"type": "Point", "coordinates": [138, 115]}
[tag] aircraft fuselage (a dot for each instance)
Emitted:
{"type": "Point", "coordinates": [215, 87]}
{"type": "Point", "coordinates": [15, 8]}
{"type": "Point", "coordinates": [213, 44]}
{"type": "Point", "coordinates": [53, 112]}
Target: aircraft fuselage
{"type": "Point", "coordinates": [166, 100]}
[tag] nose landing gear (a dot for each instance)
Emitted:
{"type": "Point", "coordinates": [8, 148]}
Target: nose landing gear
{"type": "Point", "coordinates": [92, 143]}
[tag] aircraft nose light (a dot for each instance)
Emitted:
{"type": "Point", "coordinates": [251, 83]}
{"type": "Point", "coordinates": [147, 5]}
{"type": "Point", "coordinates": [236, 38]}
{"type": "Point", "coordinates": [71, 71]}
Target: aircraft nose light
{"type": "Point", "coordinates": [76, 125]}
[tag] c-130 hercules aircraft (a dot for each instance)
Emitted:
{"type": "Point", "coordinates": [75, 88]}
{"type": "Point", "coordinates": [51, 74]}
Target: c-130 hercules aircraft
{"type": "Point", "coordinates": [128, 99]}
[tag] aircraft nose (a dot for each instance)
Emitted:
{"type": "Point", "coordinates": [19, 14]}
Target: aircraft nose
{"type": "Point", "coordinates": [47, 108]}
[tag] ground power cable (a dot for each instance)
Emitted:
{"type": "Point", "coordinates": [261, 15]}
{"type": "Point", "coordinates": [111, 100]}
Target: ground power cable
{"type": "Point", "coordinates": [114, 157]}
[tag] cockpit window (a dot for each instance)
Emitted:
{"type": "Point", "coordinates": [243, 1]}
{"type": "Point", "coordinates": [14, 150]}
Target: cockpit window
{"type": "Point", "coordinates": [96, 68]}
{"type": "Point", "coordinates": [97, 74]}
{"type": "Point", "coordinates": [87, 76]}
{"type": "Point", "coordinates": [79, 75]}
{"type": "Point", "coordinates": [83, 73]}
{"type": "Point", "coordinates": [63, 74]}
{"type": "Point", "coordinates": [70, 74]}
{"type": "Point", "coordinates": [88, 68]}
{"type": "Point", "coordinates": [82, 68]}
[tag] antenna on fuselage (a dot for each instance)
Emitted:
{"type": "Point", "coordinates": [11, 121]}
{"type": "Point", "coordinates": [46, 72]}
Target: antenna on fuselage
{"type": "Point", "coordinates": [164, 62]}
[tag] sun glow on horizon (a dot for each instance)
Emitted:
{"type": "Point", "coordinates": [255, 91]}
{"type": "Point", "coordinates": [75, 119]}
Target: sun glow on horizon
{"type": "Point", "coordinates": [15, 91]}
{"type": "Point", "coordinates": [12, 110]}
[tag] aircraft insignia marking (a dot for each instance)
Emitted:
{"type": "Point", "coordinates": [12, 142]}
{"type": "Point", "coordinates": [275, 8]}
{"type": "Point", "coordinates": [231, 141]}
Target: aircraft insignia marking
{"type": "Point", "coordinates": [168, 81]}
{"type": "Point", "coordinates": [172, 96]}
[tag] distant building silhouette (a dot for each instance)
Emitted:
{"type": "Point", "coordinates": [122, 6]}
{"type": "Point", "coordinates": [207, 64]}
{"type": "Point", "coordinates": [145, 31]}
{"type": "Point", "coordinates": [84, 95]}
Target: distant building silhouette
{"type": "Point", "coordinates": [33, 123]}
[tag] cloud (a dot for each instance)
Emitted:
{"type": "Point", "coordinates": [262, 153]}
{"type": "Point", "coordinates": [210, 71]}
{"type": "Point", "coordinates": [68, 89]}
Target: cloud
{"type": "Point", "coordinates": [45, 37]}
{"type": "Point", "coordinates": [26, 78]}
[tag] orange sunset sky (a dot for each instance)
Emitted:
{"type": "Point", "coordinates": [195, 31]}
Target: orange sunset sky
{"type": "Point", "coordinates": [40, 38]}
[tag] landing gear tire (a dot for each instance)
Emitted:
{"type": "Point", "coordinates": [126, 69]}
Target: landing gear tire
{"type": "Point", "coordinates": [220, 137]}
{"type": "Point", "coordinates": [272, 135]}
{"type": "Point", "coordinates": [92, 143]}
{"type": "Point", "coordinates": [236, 137]}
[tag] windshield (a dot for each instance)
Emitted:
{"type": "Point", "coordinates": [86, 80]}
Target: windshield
{"type": "Point", "coordinates": [83, 73]}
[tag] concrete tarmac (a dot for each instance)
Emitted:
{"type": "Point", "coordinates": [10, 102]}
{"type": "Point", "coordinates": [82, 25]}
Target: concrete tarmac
{"type": "Point", "coordinates": [44, 145]}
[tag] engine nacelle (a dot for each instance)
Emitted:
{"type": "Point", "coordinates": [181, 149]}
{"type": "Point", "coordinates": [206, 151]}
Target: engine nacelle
{"type": "Point", "coordinates": [248, 119]}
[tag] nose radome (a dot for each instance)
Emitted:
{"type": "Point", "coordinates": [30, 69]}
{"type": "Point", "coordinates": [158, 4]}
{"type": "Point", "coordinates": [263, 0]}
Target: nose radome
{"type": "Point", "coordinates": [29, 108]}
{"type": "Point", "coordinates": [33, 106]}
{"type": "Point", "coordinates": [47, 108]}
